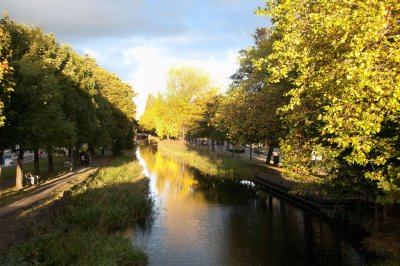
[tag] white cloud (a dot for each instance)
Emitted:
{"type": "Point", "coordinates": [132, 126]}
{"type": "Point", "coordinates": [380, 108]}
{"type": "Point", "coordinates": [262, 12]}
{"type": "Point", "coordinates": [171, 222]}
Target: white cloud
{"type": "Point", "coordinates": [152, 65]}
{"type": "Point", "coordinates": [140, 40]}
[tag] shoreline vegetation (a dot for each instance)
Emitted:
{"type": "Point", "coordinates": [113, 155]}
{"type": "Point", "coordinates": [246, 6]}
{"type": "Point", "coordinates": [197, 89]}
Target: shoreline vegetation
{"type": "Point", "coordinates": [214, 164]}
{"type": "Point", "coordinates": [91, 223]}
{"type": "Point", "coordinates": [208, 162]}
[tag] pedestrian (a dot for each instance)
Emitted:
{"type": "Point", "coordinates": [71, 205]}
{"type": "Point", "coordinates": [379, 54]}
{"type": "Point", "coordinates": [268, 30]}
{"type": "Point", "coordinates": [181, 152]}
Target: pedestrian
{"type": "Point", "coordinates": [82, 157]}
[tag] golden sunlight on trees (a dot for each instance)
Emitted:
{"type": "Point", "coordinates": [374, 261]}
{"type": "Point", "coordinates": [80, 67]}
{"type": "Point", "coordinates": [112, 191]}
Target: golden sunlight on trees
{"type": "Point", "coordinates": [345, 99]}
{"type": "Point", "coordinates": [323, 81]}
{"type": "Point", "coordinates": [182, 106]}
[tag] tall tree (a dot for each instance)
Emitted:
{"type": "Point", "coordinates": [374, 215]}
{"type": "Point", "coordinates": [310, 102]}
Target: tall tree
{"type": "Point", "coordinates": [188, 90]}
{"type": "Point", "coordinates": [146, 121]}
{"type": "Point", "coordinates": [183, 105]}
{"type": "Point", "coordinates": [117, 97]}
{"type": "Point", "coordinates": [5, 82]}
{"type": "Point", "coordinates": [263, 99]}
{"type": "Point", "coordinates": [5, 86]}
{"type": "Point", "coordinates": [345, 100]}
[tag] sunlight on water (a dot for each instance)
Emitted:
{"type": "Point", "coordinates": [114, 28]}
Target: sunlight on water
{"type": "Point", "coordinates": [209, 221]}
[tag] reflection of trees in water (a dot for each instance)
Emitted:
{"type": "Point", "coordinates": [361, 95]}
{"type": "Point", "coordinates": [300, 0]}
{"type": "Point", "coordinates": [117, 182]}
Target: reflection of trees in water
{"type": "Point", "coordinates": [186, 181]}
{"type": "Point", "coordinates": [176, 175]}
{"type": "Point", "coordinates": [282, 234]}
{"type": "Point", "coordinates": [243, 230]}
{"type": "Point", "coordinates": [225, 191]}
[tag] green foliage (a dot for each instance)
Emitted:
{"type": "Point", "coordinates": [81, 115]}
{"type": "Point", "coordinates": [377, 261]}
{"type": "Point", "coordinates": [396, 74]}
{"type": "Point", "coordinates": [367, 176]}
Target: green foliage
{"type": "Point", "coordinates": [345, 94]}
{"type": "Point", "coordinates": [207, 126]}
{"type": "Point", "coordinates": [183, 105]}
{"type": "Point", "coordinates": [248, 112]}
{"type": "Point", "coordinates": [5, 69]}
{"type": "Point", "coordinates": [59, 98]}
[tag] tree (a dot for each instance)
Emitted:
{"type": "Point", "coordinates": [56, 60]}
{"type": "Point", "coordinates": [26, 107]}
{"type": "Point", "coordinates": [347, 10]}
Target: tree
{"type": "Point", "coordinates": [115, 109]}
{"type": "Point", "coordinates": [263, 99]}
{"type": "Point", "coordinates": [59, 99]}
{"type": "Point", "coordinates": [5, 86]}
{"type": "Point", "coordinates": [207, 126]}
{"type": "Point", "coordinates": [188, 91]}
{"type": "Point", "coordinates": [5, 81]}
{"type": "Point", "coordinates": [182, 106]}
{"type": "Point", "coordinates": [147, 119]}
{"type": "Point", "coordinates": [345, 96]}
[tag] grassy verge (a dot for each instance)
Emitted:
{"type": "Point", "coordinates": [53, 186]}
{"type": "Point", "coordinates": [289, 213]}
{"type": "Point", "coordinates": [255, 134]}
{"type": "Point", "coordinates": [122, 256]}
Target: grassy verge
{"type": "Point", "coordinates": [90, 221]}
{"type": "Point", "coordinates": [58, 161]}
{"type": "Point", "coordinates": [208, 162]}
{"type": "Point", "coordinates": [9, 172]}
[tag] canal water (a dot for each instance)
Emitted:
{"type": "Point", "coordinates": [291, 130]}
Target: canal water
{"type": "Point", "coordinates": [207, 221]}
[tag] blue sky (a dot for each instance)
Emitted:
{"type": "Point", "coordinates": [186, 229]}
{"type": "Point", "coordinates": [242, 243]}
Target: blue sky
{"type": "Point", "coordinates": [140, 40]}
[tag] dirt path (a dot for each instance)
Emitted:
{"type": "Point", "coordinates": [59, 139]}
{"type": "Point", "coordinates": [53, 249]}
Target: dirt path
{"type": "Point", "coordinates": [16, 217]}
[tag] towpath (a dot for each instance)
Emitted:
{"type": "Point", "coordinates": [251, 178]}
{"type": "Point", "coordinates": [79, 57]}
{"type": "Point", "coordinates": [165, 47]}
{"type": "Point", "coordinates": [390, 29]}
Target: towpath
{"type": "Point", "coordinates": [19, 213]}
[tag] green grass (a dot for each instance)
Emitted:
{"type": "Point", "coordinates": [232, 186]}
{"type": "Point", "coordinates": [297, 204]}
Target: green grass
{"type": "Point", "coordinates": [58, 161]}
{"type": "Point", "coordinates": [8, 173]}
{"type": "Point", "coordinates": [92, 218]}
{"type": "Point", "coordinates": [208, 162]}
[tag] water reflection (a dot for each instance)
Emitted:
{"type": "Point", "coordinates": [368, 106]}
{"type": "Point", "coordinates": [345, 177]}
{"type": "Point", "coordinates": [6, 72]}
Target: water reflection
{"type": "Point", "coordinates": [207, 221]}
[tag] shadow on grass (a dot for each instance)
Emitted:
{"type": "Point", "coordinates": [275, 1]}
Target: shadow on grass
{"type": "Point", "coordinates": [86, 227]}
{"type": "Point", "coordinates": [7, 180]}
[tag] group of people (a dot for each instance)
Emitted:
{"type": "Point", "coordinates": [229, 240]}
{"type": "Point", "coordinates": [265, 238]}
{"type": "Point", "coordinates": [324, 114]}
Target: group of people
{"type": "Point", "coordinates": [84, 157]}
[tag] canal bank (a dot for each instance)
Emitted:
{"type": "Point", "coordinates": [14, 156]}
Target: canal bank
{"type": "Point", "coordinates": [357, 214]}
{"type": "Point", "coordinates": [90, 223]}
{"type": "Point", "coordinates": [222, 164]}
{"type": "Point", "coordinates": [205, 220]}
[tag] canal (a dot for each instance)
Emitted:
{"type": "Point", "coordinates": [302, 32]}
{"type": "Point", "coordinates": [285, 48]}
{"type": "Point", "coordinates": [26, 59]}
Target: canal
{"type": "Point", "coordinates": [208, 221]}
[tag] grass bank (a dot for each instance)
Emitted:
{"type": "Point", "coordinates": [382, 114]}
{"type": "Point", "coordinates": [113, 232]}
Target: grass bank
{"type": "Point", "coordinates": [208, 162]}
{"type": "Point", "coordinates": [224, 165]}
{"type": "Point", "coordinates": [88, 225]}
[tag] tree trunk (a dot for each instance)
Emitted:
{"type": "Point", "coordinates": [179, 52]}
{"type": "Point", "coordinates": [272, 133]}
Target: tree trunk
{"type": "Point", "coordinates": [36, 165]}
{"type": "Point", "coordinates": [269, 155]}
{"type": "Point", "coordinates": [251, 151]}
{"type": "Point", "coordinates": [1, 160]}
{"type": "Point", "coordinates": [92, 150]}
{"type": "Point", "coordinates": [50, 167]}
{"type": "Point", "coordinates": [75, 156]}
{"type": "Point", "coordinates": [71, 159]}
{"type": "Point", "coordinates": [19, 176]}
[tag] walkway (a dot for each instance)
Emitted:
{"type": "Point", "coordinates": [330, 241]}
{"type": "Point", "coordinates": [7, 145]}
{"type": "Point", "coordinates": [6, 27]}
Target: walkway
{"type": "Point", "coordinates": [39, 193]}
{"type": "Point", "coordinates": [14, 221]}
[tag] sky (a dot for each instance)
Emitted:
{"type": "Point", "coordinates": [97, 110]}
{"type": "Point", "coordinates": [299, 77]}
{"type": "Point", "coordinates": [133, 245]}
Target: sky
{"type": "Point", "coordinates": [140, 40]}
